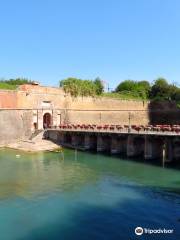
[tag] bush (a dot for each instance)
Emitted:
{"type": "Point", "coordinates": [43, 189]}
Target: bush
{"type": "Point", "coordinates": [78, 87]}
{"type": "Point", "coordinates": [140, 89]}
{"type": "Point", "coordinates": [13, 83]}
{"type": "Point", "coordinates": [160, 89]}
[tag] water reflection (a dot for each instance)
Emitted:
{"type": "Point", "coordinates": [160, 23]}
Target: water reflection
{"type": "Point", "coordinates": [33, 174]}
{"type": "Point", "coordinates": [98, 197]}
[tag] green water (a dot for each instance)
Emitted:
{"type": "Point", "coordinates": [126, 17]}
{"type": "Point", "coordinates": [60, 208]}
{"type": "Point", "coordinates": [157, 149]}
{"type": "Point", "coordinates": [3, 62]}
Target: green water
{"type": "Point", "coordinates": [85, 196]}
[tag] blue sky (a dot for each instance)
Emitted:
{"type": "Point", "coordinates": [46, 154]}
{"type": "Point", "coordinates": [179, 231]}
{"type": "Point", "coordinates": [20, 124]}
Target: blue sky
{"type": "Point", "coordinates": [48, 40]}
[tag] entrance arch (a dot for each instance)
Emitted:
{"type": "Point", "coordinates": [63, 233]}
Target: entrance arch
{"type": "Point", "coordinates": [47, 119]}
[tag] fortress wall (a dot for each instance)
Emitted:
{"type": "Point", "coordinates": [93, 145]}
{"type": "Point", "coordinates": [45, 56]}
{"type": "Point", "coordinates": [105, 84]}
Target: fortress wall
{"type": "Point", "coordinates": [164, 112]}
{"type": "Point", "coordinates": [137, 109]}
{"type": "Point", "coordinates": [30, 96]}
{"type": "Point", "coordinates": [14, 124]}
{"type": "Point", "coordinates": [105, 103]}
{"type": "Point", "coordinates": [100, 108]}
{"type": "Point", "coordinates": [110, 117]}
{"type": "Point", "coordinates": [66, 109]}
{"type": "Point", "coordinates": [102, 111]}
{"type": "Point", "coordinates": [34, 100]}
{"type": "Point", "coordinates": [33, 97]}
{"type": "Point", "coordinates": [40, 89]}
{"type": "Point", "coordinates": [8, 99]}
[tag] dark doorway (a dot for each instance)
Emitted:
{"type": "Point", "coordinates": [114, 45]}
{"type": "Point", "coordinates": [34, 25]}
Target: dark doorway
{"type": "Point", "coordinates": [47, 120]}
{"type": "Point", "coordinates": [35, 125]}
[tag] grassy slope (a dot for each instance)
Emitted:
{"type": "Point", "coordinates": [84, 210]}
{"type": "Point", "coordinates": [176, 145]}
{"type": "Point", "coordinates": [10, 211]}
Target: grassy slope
{"type": "Point", "coordinates": [125, 96]}
{"type": "Point", "coordinates": [7, 86]}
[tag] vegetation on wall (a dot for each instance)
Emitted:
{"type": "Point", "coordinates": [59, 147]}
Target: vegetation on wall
{"type": "Point", "coordinates": [12, 84]}
{"type": "Point", "coordinates": [78, 87]}
{"type": "Point", "coordinates": [139, 89]}
{"type": "Point", "coordinates": [159, 90]}
{"type": "Point", "coordinates": [162, 90]}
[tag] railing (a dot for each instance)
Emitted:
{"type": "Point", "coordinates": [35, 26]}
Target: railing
{"type": "Point", "coordinates": [173, 130]}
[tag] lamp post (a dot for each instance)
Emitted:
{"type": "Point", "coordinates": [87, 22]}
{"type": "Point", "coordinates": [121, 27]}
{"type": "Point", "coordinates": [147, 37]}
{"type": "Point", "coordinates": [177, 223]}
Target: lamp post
{"type": "Point", "coordinates": [100, 117]}
{"type": "Point", "coordinates": [129, 128]}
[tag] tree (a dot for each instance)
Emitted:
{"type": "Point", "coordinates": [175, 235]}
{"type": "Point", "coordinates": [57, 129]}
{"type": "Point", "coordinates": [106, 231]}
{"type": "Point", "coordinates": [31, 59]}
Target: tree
{"type": "Point", "coordinates": [134, 88]}
{"type": "Point", "coordinates": [78, 87]}
{"type": "Point", "coordinates": [99, 86]}
{"type": "Point", "coordinates": [144, 88]}
{"type": "Point", "coordinates": [174, 92]}
{"type": "Point", "coordinates": [160, 89]}
{"type": "Point", "coordinates": [127, 85]}
{"type": "Point", "coordinates": [145, 85]}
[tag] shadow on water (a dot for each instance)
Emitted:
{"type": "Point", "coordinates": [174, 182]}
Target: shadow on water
{"type": "Point", "coordinates": [139, 159]}
{"type": "Point", "coordinates": [111, 222]}
{"type": "Point", "coordinates": [86, 196]}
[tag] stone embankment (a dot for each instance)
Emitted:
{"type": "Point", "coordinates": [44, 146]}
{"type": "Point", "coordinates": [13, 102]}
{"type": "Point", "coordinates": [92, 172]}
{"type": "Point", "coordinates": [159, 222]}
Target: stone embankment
{"type": "Point", "coordinates": [35, 145]}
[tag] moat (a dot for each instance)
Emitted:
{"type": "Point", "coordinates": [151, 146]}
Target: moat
{"type": "Point", "coordinates": [80, 195]}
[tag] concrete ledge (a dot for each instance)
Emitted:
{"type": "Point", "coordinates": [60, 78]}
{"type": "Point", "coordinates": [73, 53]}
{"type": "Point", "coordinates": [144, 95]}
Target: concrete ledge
{"type": "Point", "coordinates": [43, 145]}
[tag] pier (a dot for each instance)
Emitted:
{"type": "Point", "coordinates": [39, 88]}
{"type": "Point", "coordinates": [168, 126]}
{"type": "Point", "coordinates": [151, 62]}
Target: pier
{"type": "Point", "coordinates": [150, 142]}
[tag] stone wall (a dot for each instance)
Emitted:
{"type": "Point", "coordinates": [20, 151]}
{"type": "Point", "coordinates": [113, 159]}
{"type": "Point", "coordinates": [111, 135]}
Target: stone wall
{"type": "Point", "coordinates": [14, 124]}
{"type": "Point", "coordinates": [63, 108]}
{"type": "Point", "coordinates": [32, 97]}
{"type": "Point", "coordinates": [104, 103]}
{"type": "Point", "coordinates": [67, 109]}
{"type": "Point", "coordinates": [107, 117]}
{"type": "Point", "coordinates": [164, 112]}
{"type": "Point", "coordinates": [8, 99]}
{"type": "Point", "coordinates": [38, 100]}
{"type": "Point", "coordinates": [106, 110]}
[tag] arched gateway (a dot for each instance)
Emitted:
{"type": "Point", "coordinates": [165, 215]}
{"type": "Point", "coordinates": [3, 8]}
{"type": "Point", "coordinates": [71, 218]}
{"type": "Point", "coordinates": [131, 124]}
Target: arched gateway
{"type": "Point", "coordinates": [47, 120]}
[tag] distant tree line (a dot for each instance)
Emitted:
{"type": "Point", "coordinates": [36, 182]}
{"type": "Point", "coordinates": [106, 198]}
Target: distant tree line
{"type": "Point", "coordinates": [159, 90]}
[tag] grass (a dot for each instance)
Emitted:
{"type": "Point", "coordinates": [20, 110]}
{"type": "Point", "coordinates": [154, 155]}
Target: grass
{"type": "Point", "coordinates": [124, 96]}
{"type": "Point", "coordinates": [7, 86]}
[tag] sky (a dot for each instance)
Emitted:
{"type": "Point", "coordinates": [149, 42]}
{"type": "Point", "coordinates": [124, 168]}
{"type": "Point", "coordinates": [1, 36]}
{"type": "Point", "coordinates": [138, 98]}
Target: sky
{"type": "Point", "coordinates": [50, 40]}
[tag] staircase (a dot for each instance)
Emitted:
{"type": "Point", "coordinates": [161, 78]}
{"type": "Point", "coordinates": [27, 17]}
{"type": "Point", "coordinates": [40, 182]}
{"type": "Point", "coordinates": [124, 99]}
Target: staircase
{"type": "Point", "coordinates": [37, 135]}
